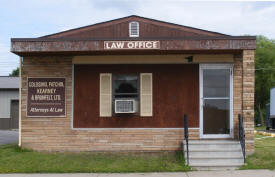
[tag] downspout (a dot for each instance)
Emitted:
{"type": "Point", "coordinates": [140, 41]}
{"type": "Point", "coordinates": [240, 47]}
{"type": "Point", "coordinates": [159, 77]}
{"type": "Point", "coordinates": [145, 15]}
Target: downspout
{"type": "Point", "coordinates": [20, 96]}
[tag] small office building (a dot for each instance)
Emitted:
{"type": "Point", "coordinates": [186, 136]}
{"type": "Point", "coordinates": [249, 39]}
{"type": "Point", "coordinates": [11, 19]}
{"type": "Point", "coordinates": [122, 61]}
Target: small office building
{"type": "Point", "coordinates": [125, 85]}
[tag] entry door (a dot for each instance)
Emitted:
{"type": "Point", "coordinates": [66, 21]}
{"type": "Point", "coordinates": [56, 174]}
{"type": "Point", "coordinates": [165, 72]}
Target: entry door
{"type": "Point", "coordinates": [216, 107]}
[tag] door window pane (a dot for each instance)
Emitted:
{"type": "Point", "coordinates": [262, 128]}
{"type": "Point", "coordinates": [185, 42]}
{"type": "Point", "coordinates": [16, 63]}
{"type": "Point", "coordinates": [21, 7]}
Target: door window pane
{"type": "Point", "coordinates": [216, 82]}
{"type": "Point", "coordinates": [216, 116]}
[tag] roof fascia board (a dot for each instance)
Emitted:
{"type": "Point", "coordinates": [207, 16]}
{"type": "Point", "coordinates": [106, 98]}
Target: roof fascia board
{"type": "Point", "coordinates": [166, 45]}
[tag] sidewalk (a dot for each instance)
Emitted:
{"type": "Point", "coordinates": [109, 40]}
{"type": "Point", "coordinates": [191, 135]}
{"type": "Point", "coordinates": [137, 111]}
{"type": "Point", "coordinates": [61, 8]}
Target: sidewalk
{"type": "Point", "coordinates": [237, 173]}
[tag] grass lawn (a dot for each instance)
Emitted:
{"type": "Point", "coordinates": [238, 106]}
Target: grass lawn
{"type": "Point", "coordinates": [15, 160]}
{"type": "Point", "coordinates": [260, 128]}
{"type": "Point", "coordinates": [264, 156]}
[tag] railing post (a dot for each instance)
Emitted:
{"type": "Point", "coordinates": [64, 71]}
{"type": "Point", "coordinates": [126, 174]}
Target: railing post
{"type": "Point", "coordinates": [239, 122]}
{"type": "Point", "coordinates": [186, 136]}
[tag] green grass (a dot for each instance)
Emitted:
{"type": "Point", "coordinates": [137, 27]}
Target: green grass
{"type": "Point", "coordinates": [260, 128]}
{"type": "Point", "coordinates": [258, 136]}
{"type": "Point", "coordinates": [264, 156]}
{"type": "Point", "coordinates": [16, 160]}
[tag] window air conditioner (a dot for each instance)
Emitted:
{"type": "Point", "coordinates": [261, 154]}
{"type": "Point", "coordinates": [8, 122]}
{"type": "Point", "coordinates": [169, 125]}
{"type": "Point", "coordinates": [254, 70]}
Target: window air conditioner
{"type": "Point", "coordinates": [124, 106]}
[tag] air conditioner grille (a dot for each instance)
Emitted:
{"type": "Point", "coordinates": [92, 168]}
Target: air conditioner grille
{"type": "Point", "coordinates": [124, 106]}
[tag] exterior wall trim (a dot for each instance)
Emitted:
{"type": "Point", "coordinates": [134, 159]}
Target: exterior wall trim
{"type": "Point", "coordinates": [153, 59]}
{"type": "Point", "coordinates": [118, 129]}
{"type": "Point", "coordinates": [20, 103]}
{"type": "Point", "coordinates": [72, 113]}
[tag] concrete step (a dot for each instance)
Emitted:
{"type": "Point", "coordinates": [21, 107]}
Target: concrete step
{"type": "Point", "coordinates": [216, 168]}
{"type": "Point", "coordinates": [215, 164]}
{"type": "Point", "coordinates": [203, 154]}
{"type": "Point", "coordinates": [213, 147]}
{"type": "Point", "coordinates": [214, 154]}
{"type": "Point", "coordinates": [213, 142]}
{"type": "Point", "coordinates": [217, 160]}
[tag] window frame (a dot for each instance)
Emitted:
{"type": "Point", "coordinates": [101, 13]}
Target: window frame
{"type": "Point", "coordinates": [130, 29]}
{"type": "Point", "coordinates": [127, 98]}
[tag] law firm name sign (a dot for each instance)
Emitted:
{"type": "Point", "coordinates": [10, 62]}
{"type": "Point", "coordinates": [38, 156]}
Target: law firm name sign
{"type": "Point", "coordinates": [118, 45]}
{"type": "Point", "coordinates": [46, 97]}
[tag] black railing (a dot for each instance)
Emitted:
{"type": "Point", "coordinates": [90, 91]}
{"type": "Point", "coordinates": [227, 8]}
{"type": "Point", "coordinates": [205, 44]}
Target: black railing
{"type": "Point", "coordinates": [242, 135]}
{"type": "Point", "coordinates": [186, 135]}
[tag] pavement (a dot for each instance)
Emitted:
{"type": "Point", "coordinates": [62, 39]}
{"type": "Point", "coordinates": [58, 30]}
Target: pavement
{"type": "Point", "coordinates": [236, 173]}
{"type": "Point", "coordinates": [8, 136]}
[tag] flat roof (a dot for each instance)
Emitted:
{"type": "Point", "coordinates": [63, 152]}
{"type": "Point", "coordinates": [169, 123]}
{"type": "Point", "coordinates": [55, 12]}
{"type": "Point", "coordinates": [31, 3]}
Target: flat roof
{"type": "Point", "coordinates": [9, 82]}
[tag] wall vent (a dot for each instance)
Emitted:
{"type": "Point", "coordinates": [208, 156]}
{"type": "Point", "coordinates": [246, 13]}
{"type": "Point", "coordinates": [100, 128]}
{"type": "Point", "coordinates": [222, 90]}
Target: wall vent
{"type": "Point", "coordinates": [134, 29]}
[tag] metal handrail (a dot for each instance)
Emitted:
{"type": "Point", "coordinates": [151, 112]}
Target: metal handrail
{"type": "Point", "coordinates": [242, 135]}
{"type": "Point", "coordinates": [186, 137]}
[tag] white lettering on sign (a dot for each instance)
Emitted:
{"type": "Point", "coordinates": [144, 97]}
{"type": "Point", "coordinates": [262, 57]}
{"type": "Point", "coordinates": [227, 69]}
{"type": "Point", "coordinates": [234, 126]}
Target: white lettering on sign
{"type": "Point", "coordinates": [116, 45]}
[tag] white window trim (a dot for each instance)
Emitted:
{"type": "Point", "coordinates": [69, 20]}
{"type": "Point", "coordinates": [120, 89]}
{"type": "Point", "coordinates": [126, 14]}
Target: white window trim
{"type": "Point", "coordinates": [130, 29]}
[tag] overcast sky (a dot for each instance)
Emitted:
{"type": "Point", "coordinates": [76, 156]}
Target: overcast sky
{"type": "Point", "coordinates": [34, 18]}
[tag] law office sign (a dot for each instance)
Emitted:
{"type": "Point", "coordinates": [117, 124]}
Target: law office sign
{"type": "Point", "coordinates": [46, 97]}
{"type": "Point", "coordinates": [118, 45]}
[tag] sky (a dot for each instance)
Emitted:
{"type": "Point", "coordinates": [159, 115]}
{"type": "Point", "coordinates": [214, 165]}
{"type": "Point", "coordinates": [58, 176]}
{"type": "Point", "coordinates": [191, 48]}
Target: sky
{"type": "Point", "coordinates": [35, 18]}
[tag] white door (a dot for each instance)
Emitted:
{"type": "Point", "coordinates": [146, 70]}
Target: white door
{"type": "Point", "coordinates": [216, 101]}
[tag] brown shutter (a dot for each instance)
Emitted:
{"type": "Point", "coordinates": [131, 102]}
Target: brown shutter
{"type": "Point", "coordinates": [146, 98]}
{"type": "Point", "coordinates": [105, 104]}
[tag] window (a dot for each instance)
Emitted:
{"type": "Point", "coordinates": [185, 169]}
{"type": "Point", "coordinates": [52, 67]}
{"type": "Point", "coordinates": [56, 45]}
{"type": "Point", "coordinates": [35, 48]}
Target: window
{"type": "Point", "coordinates": [126, 86]}
{"type": "Point", "coordinates": [134, 29]}
{"type": "Point", "coordinates": [125, 93]}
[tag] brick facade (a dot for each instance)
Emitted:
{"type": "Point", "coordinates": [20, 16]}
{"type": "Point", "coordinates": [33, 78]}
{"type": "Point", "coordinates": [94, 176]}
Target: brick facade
{"type": "Point", "coordinates": [238, 87]}
{"type": "Point", "coordinates": [56, 134]}
{"type": "Point", "coordinates": [244, 95]}
{"type": "Point", "coordinates": [248, 98]}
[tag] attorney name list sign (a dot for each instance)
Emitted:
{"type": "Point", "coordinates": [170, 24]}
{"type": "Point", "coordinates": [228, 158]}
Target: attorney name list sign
{"type": "Point", "coordinates": [46, 97]}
